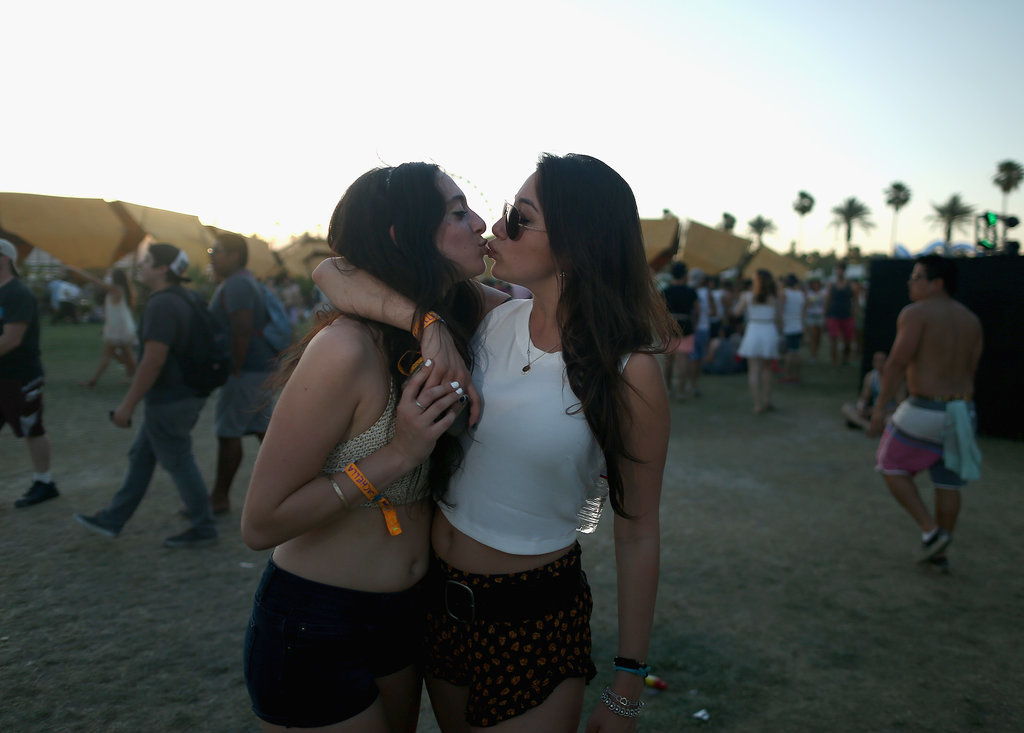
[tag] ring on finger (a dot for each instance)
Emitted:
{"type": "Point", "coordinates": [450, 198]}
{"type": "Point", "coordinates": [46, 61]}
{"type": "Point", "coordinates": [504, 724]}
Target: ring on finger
{"type": "Point", "coordinates": [417, 403]}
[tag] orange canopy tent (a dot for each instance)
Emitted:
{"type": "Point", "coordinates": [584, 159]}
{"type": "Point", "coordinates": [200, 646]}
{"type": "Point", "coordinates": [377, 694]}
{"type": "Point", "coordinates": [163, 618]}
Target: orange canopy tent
{"type": "Point", "coordinates": [184, 231]}
{"type": "Point", "coordinates": [777, 264]}
{"type": "Point", "coordinates": [661, 240]}
{"type": "Point", "coordinates": [712, 250]}
{"type": "Point", "coordinates": [86, 233]}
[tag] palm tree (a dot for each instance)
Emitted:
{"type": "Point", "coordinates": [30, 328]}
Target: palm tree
{"type": "Point", "coordinates": [802, 206]}
{"type": "Point", "coordinates": [849, 213]}
{"type": "Point", "coordinates": [951, 215]}
{"type": "Point", "coordinates": [728, 222]}
{"type": "Point", "coordinates": [897, 196]}
{"type": "Point", "coordinates": [1008, 176]}
{"type": "Point", "coordinates": [759, 226]}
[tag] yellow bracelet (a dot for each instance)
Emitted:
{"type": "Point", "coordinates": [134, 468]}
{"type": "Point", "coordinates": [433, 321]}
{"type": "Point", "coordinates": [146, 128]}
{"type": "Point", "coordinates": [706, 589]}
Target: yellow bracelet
{"type": "Point", "coordinates": [337, 490]}
{"type": "Point", "coordinates": [429, 318]}
{"type": "Point", "coordinates": [363, 484]}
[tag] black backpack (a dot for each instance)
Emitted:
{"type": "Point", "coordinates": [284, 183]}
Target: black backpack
{"type": "Point", "coordinates": [206, 361]}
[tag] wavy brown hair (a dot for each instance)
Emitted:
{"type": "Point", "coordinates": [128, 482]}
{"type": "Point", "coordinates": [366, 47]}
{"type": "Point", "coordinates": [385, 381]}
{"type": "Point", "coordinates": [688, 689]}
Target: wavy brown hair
{"type": "Point", "coordinates": [609, 306]}
{"type": "Point", "coordinates": [386, 225]}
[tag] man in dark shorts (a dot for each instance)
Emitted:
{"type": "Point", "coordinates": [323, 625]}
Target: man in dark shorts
{"type": "Point", "coordinates": [21, 375]}
{"type": "Point", "coordinates": [243, 403]}
{"type": "Point", "coordinates": [938, 346]}
{"type": "Point", "coordinates": [839, 316]}
{"type": "Point", "coordinates": [682, 304]}
{"type": "Point", "coordinates": [171, 406]}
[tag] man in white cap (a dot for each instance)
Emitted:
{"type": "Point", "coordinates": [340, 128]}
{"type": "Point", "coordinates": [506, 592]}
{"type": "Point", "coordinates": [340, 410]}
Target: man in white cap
{"type": "Point", "coordinates": [171, 406]}
{"type": "Point", "coordinates": [21, 375]}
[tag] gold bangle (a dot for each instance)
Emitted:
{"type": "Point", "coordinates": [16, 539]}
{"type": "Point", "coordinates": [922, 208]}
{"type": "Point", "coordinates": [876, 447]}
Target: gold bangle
{"type": "Point", "coordinates": [337, 490]}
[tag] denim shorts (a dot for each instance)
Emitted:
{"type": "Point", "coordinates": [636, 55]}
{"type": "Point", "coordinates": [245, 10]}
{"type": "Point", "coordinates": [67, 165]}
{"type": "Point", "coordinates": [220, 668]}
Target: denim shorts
{"type": "Point", "coordinates": [312, 651]}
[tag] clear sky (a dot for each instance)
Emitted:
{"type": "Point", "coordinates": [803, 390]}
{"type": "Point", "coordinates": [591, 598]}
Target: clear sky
{"type": "Point", "coordinates": [256, 116]}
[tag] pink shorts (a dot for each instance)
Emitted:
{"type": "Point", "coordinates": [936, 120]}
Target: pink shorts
{"type": "Point", "coordinates": [900, 454]}
{"type": "Point", "coordinates": [840, 328]}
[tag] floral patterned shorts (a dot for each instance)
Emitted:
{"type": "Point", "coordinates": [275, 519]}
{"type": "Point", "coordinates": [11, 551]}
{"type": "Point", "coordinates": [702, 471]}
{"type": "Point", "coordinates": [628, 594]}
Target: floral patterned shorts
{"type": "Point", "coordinates": [513, 638]}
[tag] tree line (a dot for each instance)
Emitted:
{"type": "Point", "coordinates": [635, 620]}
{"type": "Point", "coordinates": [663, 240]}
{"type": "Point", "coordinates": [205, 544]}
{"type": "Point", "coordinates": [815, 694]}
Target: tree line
{"type": "Point", "coordinates": [953, 214]}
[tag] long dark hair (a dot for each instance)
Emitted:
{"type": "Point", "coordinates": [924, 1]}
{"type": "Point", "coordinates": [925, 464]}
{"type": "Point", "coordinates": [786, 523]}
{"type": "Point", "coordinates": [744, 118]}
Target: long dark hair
{"type": "Point", "coordinates": [609, 306]}
{"type": "Point", "coordinates": [121, 280]}
{"type": "Point", "coordinates": [385, 225]}
{"type": "Point", "coordinates": [764, 286]}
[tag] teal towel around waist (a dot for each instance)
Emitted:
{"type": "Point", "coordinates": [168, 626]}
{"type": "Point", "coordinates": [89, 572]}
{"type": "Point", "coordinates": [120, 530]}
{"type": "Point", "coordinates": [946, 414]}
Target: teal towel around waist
{"type": "Point", "coordinates": [960, 451]}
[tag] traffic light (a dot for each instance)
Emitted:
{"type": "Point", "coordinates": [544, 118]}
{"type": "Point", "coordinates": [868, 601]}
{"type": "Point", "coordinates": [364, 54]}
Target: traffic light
{"type": "Point", "coordinates": [1010, 246]}
{"type": "Point", "coordinates": [986, 225]}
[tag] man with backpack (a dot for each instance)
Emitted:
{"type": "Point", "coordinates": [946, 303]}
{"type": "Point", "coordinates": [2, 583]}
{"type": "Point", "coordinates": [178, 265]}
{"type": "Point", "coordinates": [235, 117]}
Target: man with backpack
{"type": "Point", "coordinates": [167, 330]}
{"type": "Point", "coordinates": [244, 308]}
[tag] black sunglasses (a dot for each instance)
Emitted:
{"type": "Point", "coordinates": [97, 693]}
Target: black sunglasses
{"type": "Point", "coordinates": [514, 222]}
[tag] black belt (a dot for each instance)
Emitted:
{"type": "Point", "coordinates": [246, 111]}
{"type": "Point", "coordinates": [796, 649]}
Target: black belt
{"type": "Point", "coordinates": [511, 600]}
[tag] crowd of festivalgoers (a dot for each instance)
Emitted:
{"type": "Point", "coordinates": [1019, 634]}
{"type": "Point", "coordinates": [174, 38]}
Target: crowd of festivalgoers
{"type": "Point", "coordinates": [760, 325]}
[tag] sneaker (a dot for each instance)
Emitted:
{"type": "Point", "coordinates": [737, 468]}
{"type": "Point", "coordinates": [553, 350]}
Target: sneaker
{"type": "Point", "coordinates": [97, 525]}
{"type": "Point", "coordinates": [939, 542]}
{"type": "Point", "coordinates": [38, 493]}
{"type": "Point", "coordinates": [190, 538]}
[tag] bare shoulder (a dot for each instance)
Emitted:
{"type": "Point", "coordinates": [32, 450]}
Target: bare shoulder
{"type": "Point", "coordinates": [913, 313]}
{"type": "Point", "coordinates": [343, 347]}
{"type": "Point", "coordinates": [643, 373]}
{"type": "Point", "coordinates": [968, 314]}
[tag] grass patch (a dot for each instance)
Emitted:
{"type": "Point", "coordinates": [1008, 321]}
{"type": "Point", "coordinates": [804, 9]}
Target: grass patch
{"type": "Point", "coordinates": [789, 600]}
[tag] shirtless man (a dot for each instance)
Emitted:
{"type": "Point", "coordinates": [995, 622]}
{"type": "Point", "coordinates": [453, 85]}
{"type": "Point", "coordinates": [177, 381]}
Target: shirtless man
{"type": "Point", "coordinates": [937, 348]}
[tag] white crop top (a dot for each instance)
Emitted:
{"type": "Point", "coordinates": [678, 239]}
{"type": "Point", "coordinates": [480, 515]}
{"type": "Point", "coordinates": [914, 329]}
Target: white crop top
{"type": "Point", "coordinates": [528, 464]}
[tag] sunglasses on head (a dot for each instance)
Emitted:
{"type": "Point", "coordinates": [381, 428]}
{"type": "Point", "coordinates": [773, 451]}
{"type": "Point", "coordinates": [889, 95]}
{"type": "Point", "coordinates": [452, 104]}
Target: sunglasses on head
{"type": "Point", "coordinates": [514, 222]}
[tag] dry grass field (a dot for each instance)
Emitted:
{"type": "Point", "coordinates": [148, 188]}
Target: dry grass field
{"type": "Point", "coordinates": [789, 597]}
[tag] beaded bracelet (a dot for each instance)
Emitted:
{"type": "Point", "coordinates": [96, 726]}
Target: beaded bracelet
{"type": "Point", "coordinates": [620, 705]}
{"type": "Point", "coordinates": [625, 664]}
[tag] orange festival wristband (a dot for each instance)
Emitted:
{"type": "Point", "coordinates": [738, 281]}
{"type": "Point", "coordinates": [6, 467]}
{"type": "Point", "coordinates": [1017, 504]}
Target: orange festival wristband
{"type": "Point", "coordinates": [363, 484]}
{"type": "Point", "coordinates": [429, 318]}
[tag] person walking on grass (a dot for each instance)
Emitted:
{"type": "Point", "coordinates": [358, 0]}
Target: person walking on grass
{"type": "Point", "coordinates": [839, 316]}
{"type": "Point", "coordinates": [760, 344]}
{"type": "Point", "coordinates": [937, 348]}
{"type": "Point", "coordinates": [243, 403]}
{"type": "Point", "coordinates": [119, 337]}
{"type": "Point", "coordinates": [21, 375]}
{"type": "Point", "coordinates": [794, 308]}
{"type": "Point", "coordinates": [681, 301]}
{"type": "Point", "coordinates": [171, 406]}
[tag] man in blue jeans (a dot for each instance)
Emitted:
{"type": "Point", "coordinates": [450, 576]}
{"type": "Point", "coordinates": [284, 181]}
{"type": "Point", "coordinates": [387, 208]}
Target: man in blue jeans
{"type": "Point", "coordinates": [171, 407]}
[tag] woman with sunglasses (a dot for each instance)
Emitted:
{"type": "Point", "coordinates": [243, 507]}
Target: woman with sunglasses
{"type": "Point", "coordinates": [571, 394]}
{"type": "Point", "coordinates": [341, 486]}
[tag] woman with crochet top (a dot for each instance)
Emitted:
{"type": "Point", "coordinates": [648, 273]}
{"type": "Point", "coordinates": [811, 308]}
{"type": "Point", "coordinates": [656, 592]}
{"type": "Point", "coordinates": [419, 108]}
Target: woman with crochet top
{"type": "Point", "coordinates": [341, 487]}
{"type": "Point", "coordinates": [571, 393]}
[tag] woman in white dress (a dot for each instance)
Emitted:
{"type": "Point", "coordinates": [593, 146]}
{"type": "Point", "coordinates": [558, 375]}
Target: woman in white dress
{"type": "Point", "coordinates": [760, 345]}
{"type": "Point", "coordinates": [119, 337]}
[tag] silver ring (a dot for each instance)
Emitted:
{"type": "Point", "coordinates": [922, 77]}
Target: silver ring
{"type": "Point", "coordinates": [417, 403]}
